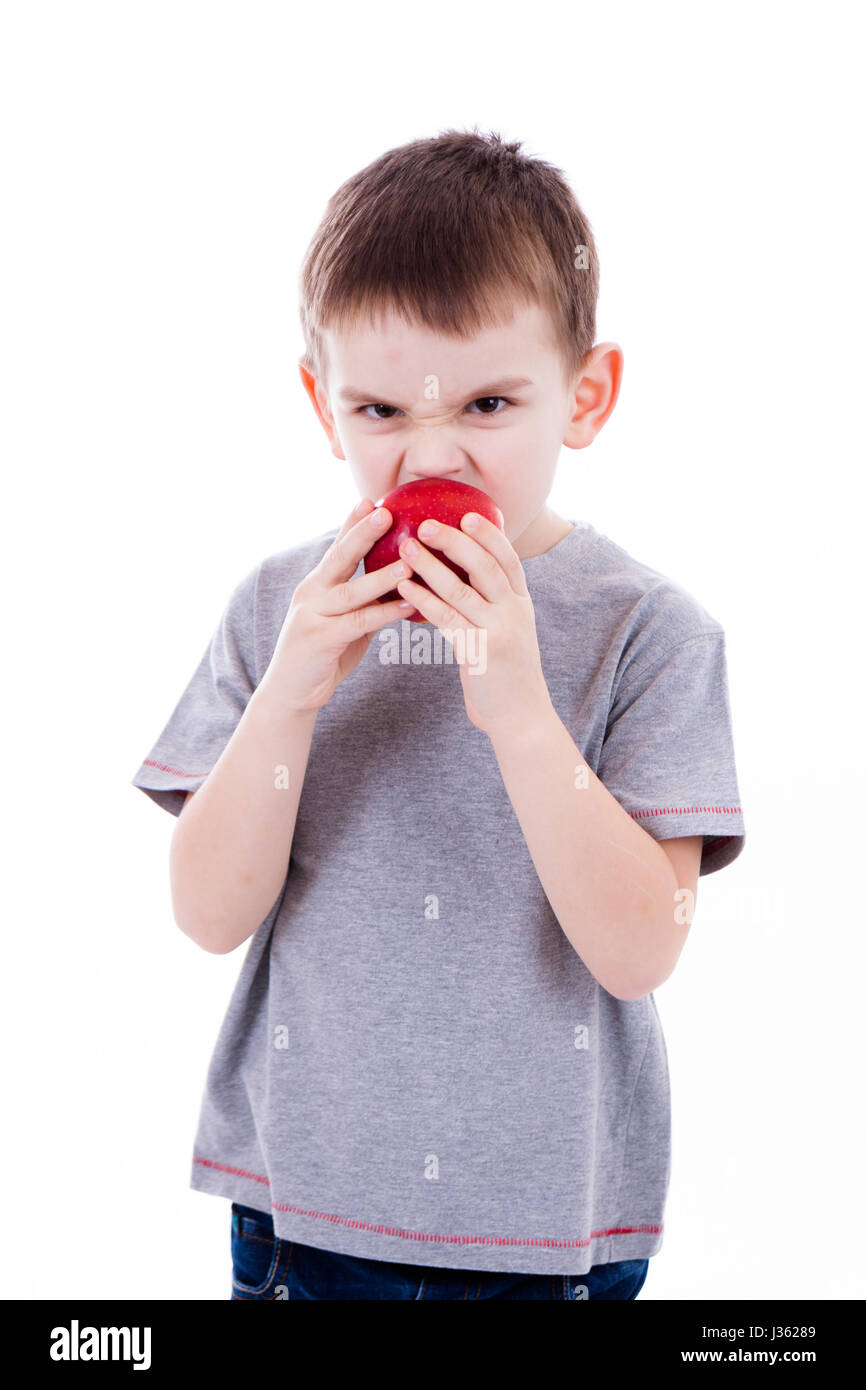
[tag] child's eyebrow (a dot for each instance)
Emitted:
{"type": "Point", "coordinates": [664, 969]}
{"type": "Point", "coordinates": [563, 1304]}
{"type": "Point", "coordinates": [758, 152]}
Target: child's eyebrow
{"type": "Point", "coordinates": [351, 394]}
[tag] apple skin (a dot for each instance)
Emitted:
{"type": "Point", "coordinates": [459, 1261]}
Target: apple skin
{"type": "Point", "coordinates": [443, 499]}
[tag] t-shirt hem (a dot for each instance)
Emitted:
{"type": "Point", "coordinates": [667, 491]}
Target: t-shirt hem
{"type": "Point", "coordinates": [721, 827]}
{"type": "Point", "coordinates": [495, 1254]}
{"type": "Point", "coordinates": [167, 786]}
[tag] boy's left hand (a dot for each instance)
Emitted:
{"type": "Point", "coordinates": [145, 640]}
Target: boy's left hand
{"type": "Point", "coordinates": [503, 683]}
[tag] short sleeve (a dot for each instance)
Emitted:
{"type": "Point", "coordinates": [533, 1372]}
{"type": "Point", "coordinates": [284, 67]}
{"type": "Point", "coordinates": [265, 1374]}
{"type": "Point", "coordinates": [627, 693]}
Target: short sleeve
{"type": "Point", "coordinates": [210, 708]}
{"type": "Point", "coordinates": [668, 751]}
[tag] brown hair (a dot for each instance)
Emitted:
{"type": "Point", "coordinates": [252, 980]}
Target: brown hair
{"type": "Point", "coordinates": [444, 231]}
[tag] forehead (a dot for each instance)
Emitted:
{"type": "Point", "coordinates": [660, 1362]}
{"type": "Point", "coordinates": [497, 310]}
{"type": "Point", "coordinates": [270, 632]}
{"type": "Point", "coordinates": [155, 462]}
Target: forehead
{"type": "Point", "coordinates": [388, 350]}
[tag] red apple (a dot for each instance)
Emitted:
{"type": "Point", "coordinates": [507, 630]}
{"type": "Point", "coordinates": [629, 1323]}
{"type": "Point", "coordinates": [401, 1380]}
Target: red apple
{"type": "Point", "coordinates": [444, 500]}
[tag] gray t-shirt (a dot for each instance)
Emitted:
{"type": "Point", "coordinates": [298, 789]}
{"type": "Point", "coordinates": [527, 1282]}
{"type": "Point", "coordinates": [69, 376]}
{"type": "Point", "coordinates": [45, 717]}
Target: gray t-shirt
{"type": "Point", "coordinates": [415, 1064]}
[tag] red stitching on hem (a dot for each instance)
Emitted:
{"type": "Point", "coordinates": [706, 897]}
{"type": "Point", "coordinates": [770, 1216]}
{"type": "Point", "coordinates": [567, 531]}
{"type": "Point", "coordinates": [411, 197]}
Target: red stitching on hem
{"type": "Point", "coordinates": [636, 815]}
{"type": "Point", "coordinates": [148, 762]}
{"type": "Point", "coordinates": [688, 810]}
{"type": "Point", "coordinates": [240, 1172]}
{"type": "Point", "coordinates": [538, 1244]}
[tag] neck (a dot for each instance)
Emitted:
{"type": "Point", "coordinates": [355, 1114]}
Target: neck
{"type": "Point", "coordinates": [541, 535]}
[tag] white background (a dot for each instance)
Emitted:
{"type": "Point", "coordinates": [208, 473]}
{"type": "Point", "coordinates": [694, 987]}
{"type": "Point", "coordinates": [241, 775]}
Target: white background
{"type": "Point", "coordinates": [164, 166]}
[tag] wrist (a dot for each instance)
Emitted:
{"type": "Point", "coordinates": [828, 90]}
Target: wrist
{"type": "Point", "coordinates": [525, 731]}
{"type": "Point", "coordinates": [269, 704]}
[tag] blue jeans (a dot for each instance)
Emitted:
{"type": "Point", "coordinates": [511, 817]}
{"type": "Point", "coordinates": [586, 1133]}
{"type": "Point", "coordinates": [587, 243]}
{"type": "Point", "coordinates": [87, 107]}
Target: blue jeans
{"type": "Point", "coordinates": [265, 1267]}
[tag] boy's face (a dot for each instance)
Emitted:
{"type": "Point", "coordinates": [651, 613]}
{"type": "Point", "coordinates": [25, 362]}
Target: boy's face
{"type": "Point", "coordinates": [403, 402]}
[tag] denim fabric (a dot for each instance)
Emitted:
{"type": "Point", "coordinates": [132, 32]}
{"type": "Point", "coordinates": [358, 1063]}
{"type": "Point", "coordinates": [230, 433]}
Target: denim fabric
{"type": "Point", "coordinates": [265, 1267]}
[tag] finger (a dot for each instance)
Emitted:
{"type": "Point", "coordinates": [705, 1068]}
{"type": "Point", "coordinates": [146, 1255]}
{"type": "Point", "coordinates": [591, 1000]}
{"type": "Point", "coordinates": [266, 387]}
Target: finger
{"type": "Point", "coordinates": [350, 594]}
{"type": "Point", "coordinates": [441, 614]}
{"type": "Point", "coordinates": [464, 599]}
{"type": "Point", "coordinates": [361, 621]}
{"type": "Point", "coordinates": [347, 550]}
{"type": "Point", "coordinates": [484, 569]}
{"type": "Point", "coordinates": [499, 546]}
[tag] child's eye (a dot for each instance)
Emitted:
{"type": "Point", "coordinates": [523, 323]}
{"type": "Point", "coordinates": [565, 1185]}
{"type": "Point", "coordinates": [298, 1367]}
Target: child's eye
{"type": "Point", "coordinates": [362, 409]}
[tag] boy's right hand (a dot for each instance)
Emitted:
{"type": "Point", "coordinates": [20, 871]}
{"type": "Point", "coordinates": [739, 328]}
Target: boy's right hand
{"type": "Point", "coordinates": [332, 617]}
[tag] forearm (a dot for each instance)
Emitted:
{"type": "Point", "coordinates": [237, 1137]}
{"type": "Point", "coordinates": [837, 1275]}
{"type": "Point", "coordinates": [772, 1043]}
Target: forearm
{"type": "Point", "coordinates": [231, 846]}
{"type": "Point", "coordinates": [609, 883]}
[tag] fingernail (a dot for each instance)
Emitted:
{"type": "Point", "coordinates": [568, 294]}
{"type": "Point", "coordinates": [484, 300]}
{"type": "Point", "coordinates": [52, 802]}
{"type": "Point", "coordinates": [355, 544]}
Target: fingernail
{"type": "Point", "coordinates": [379, 517]}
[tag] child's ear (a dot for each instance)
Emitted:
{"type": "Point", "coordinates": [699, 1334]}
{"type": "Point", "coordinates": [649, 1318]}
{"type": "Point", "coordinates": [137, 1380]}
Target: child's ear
{"type": "Point", "coordinates": [595, 391]}
{"type": "Point", "coordinates": [318, 396]}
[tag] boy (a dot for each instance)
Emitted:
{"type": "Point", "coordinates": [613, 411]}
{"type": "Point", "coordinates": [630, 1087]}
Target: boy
{"type": "Point", "coordinates": [442, 1073]}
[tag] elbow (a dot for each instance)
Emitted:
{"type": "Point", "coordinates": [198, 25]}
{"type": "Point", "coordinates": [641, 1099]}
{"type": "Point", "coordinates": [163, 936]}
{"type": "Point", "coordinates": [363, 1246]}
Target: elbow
{"type": "Point", "coordinates": [215, 946]}
{"type": "Point", "coordinates": [626, 988]}
{"type": "Point", "coordinates": [637, 983]}
{"type": "Point", "coordinates": [186, 903]}
{"type": "Point", "coordinates": [630, 989]}
{"type": "Point", "coordinates": [208, 936]}
{"type": "Point", "coordinates": [632, 993]}
{"type": "Point", "coordinates": [217, 935]}
{"type": "Point", "coordinates": [627, 993]}
{"type": "Point", "coordinates": [644, 976]}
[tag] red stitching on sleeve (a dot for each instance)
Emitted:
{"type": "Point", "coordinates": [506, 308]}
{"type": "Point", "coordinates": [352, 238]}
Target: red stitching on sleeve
{"type": "Point", "coordinates": [175, 772]}
{"type": "Point", "coordinates": [538, 1243]}
{"type": "Point", "coordinates": [688, 811]}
